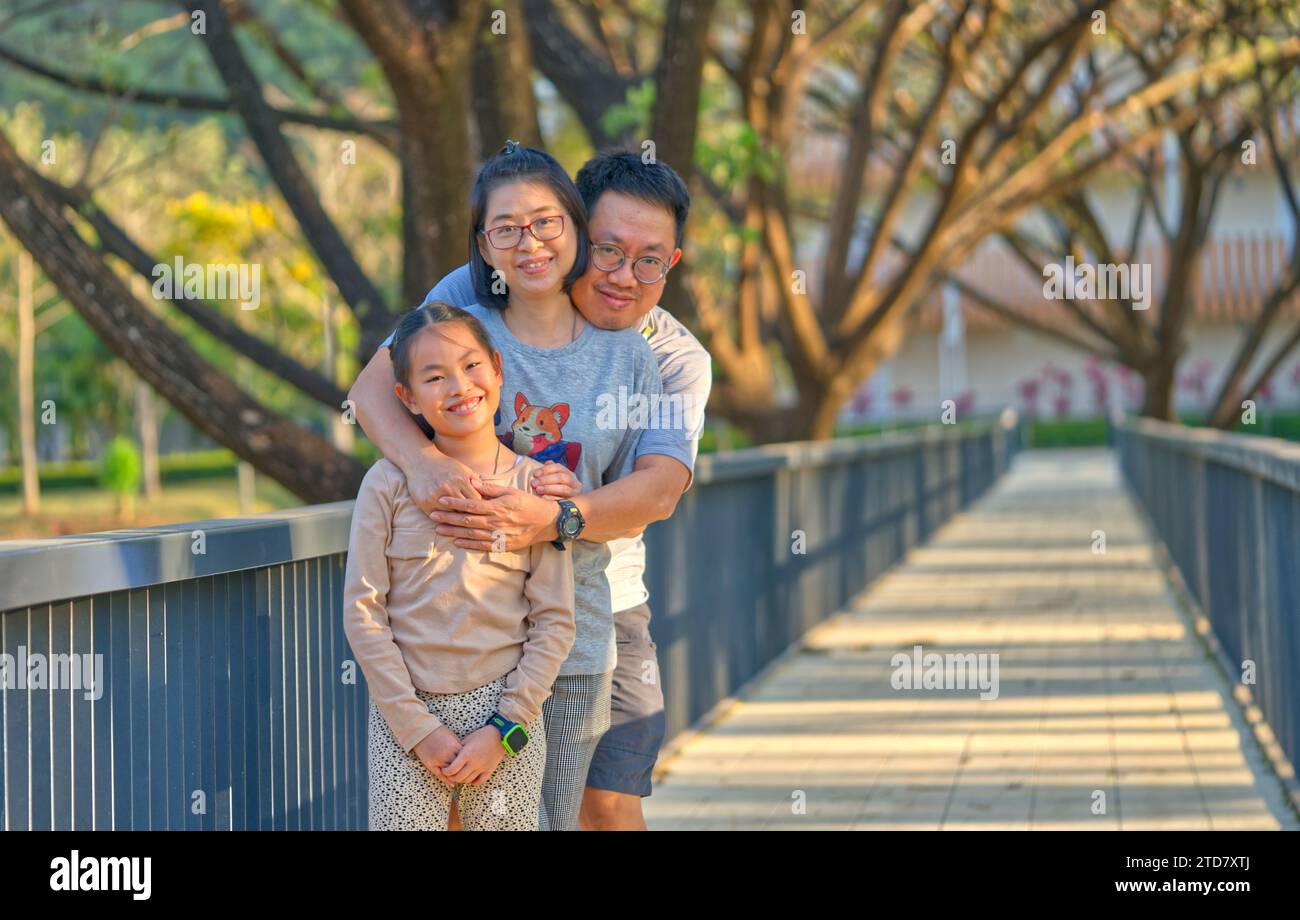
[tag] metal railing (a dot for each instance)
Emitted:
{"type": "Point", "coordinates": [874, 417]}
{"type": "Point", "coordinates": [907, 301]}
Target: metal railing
{"type": "Point", "coordinates": [1227, 508]}
{"type": "Point", "coordinates": [224, 700]}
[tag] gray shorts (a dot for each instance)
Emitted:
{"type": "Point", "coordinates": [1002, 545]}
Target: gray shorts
{"type": "Point", "coordinates": [625, 757]}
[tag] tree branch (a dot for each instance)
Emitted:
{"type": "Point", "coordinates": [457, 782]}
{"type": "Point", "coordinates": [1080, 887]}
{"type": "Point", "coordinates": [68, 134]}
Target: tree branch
{"type": "Point", "coordinates": [264, 129]}
{"type": "Point", "coordinates": [115, 240]}
{"type": "Point", "coordinates": [382, 131]}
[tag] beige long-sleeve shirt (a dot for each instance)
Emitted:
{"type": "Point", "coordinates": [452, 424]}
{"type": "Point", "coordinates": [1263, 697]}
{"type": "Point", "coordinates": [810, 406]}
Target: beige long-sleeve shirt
{"type": "Point", "coordinates": [420, 612]}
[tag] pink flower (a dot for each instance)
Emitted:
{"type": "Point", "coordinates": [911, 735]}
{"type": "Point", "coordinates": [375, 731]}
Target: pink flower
{"type": "Point", "coordinates": [1028, 389]}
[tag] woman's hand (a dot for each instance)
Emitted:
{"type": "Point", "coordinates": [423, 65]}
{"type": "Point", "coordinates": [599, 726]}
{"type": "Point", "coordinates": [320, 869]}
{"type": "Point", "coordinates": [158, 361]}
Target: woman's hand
{"type": "Point", "coordinates": [433, 475]}
{"type": "Point", "coordinates": [555, 481]}
{"type": "Point", "coordinates": [438, 749]}
{"type": "Point", "coordinates": [479, 756]}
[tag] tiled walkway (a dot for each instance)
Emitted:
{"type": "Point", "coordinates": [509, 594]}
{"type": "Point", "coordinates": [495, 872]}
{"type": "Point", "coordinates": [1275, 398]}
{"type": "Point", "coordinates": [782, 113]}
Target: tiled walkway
{"type": "Point", "coordinates": [1108, 715]}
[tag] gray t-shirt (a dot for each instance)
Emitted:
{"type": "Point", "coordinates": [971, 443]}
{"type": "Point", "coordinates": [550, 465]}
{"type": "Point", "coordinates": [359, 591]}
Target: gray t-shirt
{"type": "Point", "coordinates": [686, 372]}
{"type": "Point", "coordinates": [551, 409]}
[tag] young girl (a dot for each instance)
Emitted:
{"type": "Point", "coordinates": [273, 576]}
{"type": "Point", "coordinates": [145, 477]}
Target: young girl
{"type": "Point", "coordinates": [459, 647]}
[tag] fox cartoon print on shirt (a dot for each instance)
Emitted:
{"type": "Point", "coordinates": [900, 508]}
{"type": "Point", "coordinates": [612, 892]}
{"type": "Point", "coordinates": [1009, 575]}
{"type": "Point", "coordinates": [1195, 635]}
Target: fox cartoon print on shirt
{"type": "Point", "coordinates": [537, 432]}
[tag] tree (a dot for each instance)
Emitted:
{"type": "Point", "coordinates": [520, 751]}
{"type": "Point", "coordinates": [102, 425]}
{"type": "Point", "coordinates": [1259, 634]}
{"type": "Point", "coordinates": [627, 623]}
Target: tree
{"type": "Point", "coordinates": [213, 402]}
{"type": "Point", "coordinates": [1202, 155]}
{"type": "Point", "coordinates": [971, 112]}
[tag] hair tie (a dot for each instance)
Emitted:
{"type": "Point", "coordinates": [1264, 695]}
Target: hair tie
{"type": "Point", "coordinates": [511, 147]}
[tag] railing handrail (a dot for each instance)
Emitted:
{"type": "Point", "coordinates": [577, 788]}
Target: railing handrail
{"type": "Point", "coordinates": [754, 461]}
{"type": "Point", "coordinates": [1273, 459]}
{"type": "Point", "coordinates": [43, 571]}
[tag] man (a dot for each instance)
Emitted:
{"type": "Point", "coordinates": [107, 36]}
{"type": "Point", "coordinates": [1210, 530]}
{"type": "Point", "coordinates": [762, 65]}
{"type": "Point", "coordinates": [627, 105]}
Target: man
{"type": "Point", "coordinates": [637, 215]}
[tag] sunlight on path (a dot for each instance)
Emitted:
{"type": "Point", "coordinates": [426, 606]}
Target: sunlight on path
{"type": "Point", "coordinates": [1103, 689]}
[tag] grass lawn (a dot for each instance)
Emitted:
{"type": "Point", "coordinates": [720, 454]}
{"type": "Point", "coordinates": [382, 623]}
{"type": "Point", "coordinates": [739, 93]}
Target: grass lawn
{"type": "Point", "coordinates": [76, 511]}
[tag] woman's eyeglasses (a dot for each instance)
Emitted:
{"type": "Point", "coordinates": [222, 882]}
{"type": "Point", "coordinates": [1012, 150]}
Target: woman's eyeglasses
{"type": "Point", "coordinates": [609, 258]}
{"type": "Point", "coordinates": [507, 236]}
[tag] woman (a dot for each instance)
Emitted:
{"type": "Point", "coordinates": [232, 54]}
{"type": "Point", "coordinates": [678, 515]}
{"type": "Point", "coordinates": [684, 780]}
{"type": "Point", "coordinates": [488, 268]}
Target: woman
{"type": "Point", "coordinates": [528, 244]}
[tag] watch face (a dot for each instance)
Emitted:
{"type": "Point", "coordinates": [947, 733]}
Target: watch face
{"type": "Point", "coordinates": [571, 526]}
{"type": "Point", "coordinates": [516, 738]}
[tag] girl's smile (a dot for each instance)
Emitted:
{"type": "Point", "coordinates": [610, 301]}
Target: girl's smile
{"type": "Point", "coordinates": [465, 406]}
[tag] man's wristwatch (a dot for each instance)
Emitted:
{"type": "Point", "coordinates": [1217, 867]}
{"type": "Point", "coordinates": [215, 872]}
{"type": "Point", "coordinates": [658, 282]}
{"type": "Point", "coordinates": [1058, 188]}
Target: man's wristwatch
{"type": "Point", "coordinates": [569, 524]}
{"type": "Point", "coordinates": [513, 735]}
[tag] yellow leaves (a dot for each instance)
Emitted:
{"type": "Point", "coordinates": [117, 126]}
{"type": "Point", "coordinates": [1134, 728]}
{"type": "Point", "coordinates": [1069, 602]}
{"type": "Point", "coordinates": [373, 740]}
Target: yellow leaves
{"type": "Point", "coordinates": [217, 227]}
{"type": "Point", "coordinates": [300, 269]}
{"type": "Point", "coordinates": [194, 204]}
{"type": "Point", "coordinates": [260, 216]}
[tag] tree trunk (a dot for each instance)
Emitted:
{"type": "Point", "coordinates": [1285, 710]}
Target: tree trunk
{"type": "Point", "coordinates": [586, 81]}
{"type": "Point", "coordinates": [674, 123]}
{"type": "Point", "coordinates": [146, 416]}
{"type": "Point", "coordinates": [27, 387]}
{"type": "Point", "coordinates": [427, 65]}
{"type": "Point", "coordinates": [502, 79]}
{"type": "Point", "coordinates": [303, 462]}
{"type": "Point", "coordinates": [1158, 398]}
{"type": "Point", "coordinates": [342, 433]}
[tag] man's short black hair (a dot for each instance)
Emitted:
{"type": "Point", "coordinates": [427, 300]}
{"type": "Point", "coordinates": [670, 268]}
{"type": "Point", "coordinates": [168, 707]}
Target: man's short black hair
{"type": "Point", "coordinates": [623, 171]}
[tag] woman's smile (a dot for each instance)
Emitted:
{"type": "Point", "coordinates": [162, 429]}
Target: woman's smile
{"type": "Point", "coordinates": [539, 265]}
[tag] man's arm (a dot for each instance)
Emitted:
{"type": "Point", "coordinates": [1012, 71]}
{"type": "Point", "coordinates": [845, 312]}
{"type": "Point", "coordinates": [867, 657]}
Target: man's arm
{"type": "Point", "coordinates": [627, 505]}
{"type": "Point", "coordinates": [429, 472]}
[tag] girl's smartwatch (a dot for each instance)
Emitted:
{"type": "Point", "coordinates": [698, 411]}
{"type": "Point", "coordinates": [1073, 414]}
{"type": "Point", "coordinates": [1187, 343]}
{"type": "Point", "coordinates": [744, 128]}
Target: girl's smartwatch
{"type": "Point", "coordinates": [513, 735]}
{"type": "Point", "coordinates": [569, 524]}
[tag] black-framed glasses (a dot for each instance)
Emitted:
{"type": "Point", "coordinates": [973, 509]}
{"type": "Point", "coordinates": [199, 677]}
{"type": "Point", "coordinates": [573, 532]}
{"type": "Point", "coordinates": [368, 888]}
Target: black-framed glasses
{"type": "Point", "coordinates": [507, 236]}
{"type": "Point", "coordinates": [609, 258]}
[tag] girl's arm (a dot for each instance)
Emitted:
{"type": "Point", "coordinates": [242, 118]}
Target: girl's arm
{"type": "Point", "coordinates": [365, 614]}
{"type": "Point", "coordinates": [549, 590]}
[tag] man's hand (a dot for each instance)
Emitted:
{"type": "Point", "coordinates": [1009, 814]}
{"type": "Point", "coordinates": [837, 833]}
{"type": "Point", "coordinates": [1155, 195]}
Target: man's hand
{"type": "Point", "coordinates": [555, 481]}
{"type": "Point", "coordinates": [438, 749]}
{"type": "Point", "coordinates": [480, 754]}
{"type": "Point", "coordinates": [505, 519]}
{"type": "Point", "coordinates": [435, 474]}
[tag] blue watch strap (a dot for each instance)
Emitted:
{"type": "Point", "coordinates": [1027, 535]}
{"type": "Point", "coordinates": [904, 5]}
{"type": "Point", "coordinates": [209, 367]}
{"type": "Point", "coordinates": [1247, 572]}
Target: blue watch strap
{"type": "Point", "coordinates": [507, 730]}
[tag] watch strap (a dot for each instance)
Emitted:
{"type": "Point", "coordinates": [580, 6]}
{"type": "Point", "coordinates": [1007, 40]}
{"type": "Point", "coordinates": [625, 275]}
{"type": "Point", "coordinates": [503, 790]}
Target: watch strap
{"type": "Point", "coordinates": [512, 733]}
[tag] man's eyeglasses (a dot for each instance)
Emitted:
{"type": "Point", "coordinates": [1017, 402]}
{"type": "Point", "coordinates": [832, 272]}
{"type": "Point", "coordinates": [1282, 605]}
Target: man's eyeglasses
{"type": "Point", "coordinates": [507, 236]}
{"type": "Point", "coordinates": [609, 258]}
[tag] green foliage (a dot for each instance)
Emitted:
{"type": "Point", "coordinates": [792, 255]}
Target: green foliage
{"type": "Point", "coordinates": [119, 467]}
{"type": "Point", "coordinates": [1091, 432]}
{"type": "Point", "coordinates": [1066, 432]}
{"type": "Point", "coordinates": [732, 152]}
{"type": "Point", "coordinates": [633, 113]}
